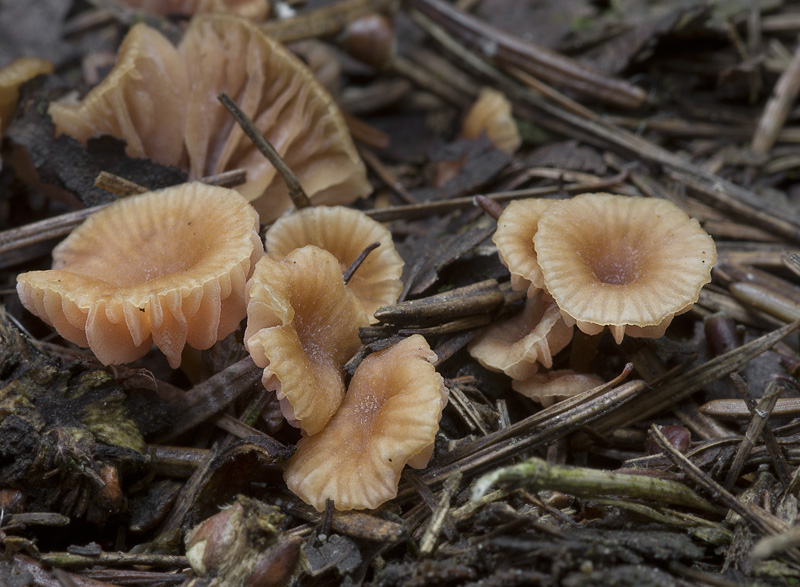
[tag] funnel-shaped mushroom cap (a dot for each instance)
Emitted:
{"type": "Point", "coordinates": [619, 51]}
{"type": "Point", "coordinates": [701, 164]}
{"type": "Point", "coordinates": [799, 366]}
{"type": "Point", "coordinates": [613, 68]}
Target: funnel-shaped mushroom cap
{"type": "Point", "coordinates": [546, 388]}
{"type": "Point", "coordinates": [302, 327]}
{"type": "Point", "coordinates": [624, 262]}
{"type": "Point", "coordinates": [388, 418]}
{"type": "Point", "coordinates": [12, 76]}
{"type": "Point", "coordinates": [287, 104]}
{"type": "Point", "coordinates": [253, 9]}
{"type": "Point", "coordinates": [516, 228]}
{"type": "Point", "coordinates": [491, 114]}
{"type": "Point", "coordinates": [140, 101]}
{"type": "Point", "coordinates": [168, 267]}
{"type": "Point", "coordinates": [344, 232]}
{"type": "Point", "coordinates": [518, 346]}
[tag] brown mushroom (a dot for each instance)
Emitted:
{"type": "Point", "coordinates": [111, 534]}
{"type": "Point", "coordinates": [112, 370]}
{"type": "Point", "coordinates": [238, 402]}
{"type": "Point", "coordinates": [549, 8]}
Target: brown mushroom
{"type": "Point", "coordinates": [518, 345]}
{"type": "Point", "coordinates": [389, 418]}
{"type": "Point", "coordinates": [12, 76]}
{"type": "Point", "coordinates": [345, 233]}
{"type": "Point", "coordinates": [302, 327]}
{"type": "Point", "coordinates": [491, 114]}
{"type": "Point", "coordinates": [516, 228]}
{"type": "Point", "coordinates": [629, 263]}
{"type": "Point", "coordinates": [163, 102]}
{"type": "Point", "coordinates": [168, 267]}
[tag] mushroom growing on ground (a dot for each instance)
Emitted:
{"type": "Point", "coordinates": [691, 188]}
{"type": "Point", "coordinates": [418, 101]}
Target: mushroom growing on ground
{"type": "Point", "coordinates": [389, 418]}
{"type": "Point", "coordinates": [163, 102]}
{"type": "Point", "coordinates": [516, 228]}
{"type": "Point", "coordinates": [302, 327]}
{"type": "Point", "coordinates": [345, 233]}
{"type": "Point", "coordinates": [168, 267]}
{"type": "Point", "coordinates": [629, 263]}
{"type": "Point", "coordinates": [547, 388]}
{"type": "Point", "coordinates": [491, 114]}
{"type": "Point", "coordinates": [518, 346]}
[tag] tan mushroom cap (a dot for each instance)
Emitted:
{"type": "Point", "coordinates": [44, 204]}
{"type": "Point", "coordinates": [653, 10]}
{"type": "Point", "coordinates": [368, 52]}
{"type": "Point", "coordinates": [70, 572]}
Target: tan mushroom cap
{"type": "Point", "coordinates": [516, 228]}
{"type": "Point", "coordinates": [287, 104]}
{"type": "Point", "coordinates": [547, 388]}
{"type": "Point", "coordinates": [12, 76]}
{"type": "Point", "coordinates": [302, 327]}
{"type": "Point", "coordinates": [389, 418]}
{"type": "Point", "coordinates": [491, 114]}
{"type": "Point", "coordinates": [168, 267]}
{"type": "Point", "coordinates": [139, 101]}
{"type": "Point", "coordinates": [628, 263]}
{"type": "Point", "coordinates": [344, 232]}
{"type": "Point", "coordinates": [518, 346]}
{"type": "Point", "coordinates": [256, 10]}
{"type": "Point", "coordinates": [163, 102]}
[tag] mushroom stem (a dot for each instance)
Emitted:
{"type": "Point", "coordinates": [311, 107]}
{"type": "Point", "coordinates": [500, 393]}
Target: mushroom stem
{"type": "Point", "coordinates": [348, 274]}
{"type": "Point", "coordinates": [296, 192]}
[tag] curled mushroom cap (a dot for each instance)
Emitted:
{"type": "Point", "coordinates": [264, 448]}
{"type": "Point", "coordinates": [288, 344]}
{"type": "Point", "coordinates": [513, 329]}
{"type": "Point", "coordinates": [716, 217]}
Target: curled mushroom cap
{"type": "Point", "coordinates": [625, 262]}
{"type": "Point", "coordinates": [253, 9]}
{"type": "Point", "coordinates": [163, 102]}
{"type": "Point", "coordinates": [344, 232]}
{"type": "Point", "coordinates": [12, 76]}
{"type": "Point", "coordinates": [518, 346]}
{"type": "Point", "coordinates": [491, 114]}
{"type": "Point", "coordinates": [516, 228]}
{"type": "Point", "coordinates": [139, 101]}
{"type": "Point", "coordinates": [302, 327]}
{"type": "Point", "coordinates": [168, 267]}
{"type": "Point", "coordinates": [389, 418]}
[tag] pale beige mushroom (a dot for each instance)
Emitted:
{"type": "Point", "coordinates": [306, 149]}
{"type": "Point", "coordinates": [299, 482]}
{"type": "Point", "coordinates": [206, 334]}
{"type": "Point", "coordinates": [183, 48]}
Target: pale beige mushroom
{"type": "Point", "coordinates": [389, 418]}
{"type": "Point", "coordinates": [163, 102]}
{"type": "Point", "coordinates": [168, 267]}
{"type": "Point", "coordinates": [344, 232]}
{"type": "Point", "coordinates": [518, 345]}
{"type": "Point", "coordinates": [491, 114]}
{"type": "Point", "coordinates": [302, 327]}
{"type": "Point", "coordinates": [629, 263]}
{"type": "Point", "coordinates": [516, 228]}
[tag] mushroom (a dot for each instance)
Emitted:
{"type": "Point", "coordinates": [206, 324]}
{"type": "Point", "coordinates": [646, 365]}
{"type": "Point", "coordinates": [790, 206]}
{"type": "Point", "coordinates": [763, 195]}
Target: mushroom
{"type": "Point", "coordinates": [389, 418]}
{"type": "Point", "coordinates": [518, 346]}
{"type": "Point", "coordinates": [548, 388]}
{"type": "Point", "coordinates": [168, 267]}
{"type": "Point", "coordinates": [162, 101]}
{"type": "Point", "coordinates": [12, 76]}
{"type": "Point", "coordinates": [346, 233]}
{"type": "Point", "coordinates": [491, 114]}
{"type": "Point", "coordinates": [302, 327]}
{"type": "Point", "coordinates": [629, 263]}
{"type": "Point", "coordinates": [256, 10]}
{"type": "Point", "coordinates": [516, 228]}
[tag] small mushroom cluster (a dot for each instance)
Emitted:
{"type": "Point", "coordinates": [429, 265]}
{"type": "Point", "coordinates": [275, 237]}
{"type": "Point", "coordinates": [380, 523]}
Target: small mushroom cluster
{"type": "Point", "coordinates": [302, 328]}
{"type": "Point", "coordinates": [596, 260]}
{"type": "Point", "coordinates": [162, 101]}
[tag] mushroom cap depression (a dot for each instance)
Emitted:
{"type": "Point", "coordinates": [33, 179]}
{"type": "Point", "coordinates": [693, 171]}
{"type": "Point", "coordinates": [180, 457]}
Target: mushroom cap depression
{"type": "Point", "coordinates": [516, 228]}
{"type": "Point", "coordinates": [302, 327]}
{"type": "Point", "coordinates": [389, 417]}
{"type": "Point", "coordinates": [344, 232]}
{"type": "Point", "coordinates": [629, 263]}
{"type": "Point", "coordinates": [168, 267]}
{"type": "Point", "coordinates": [163, 102]}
